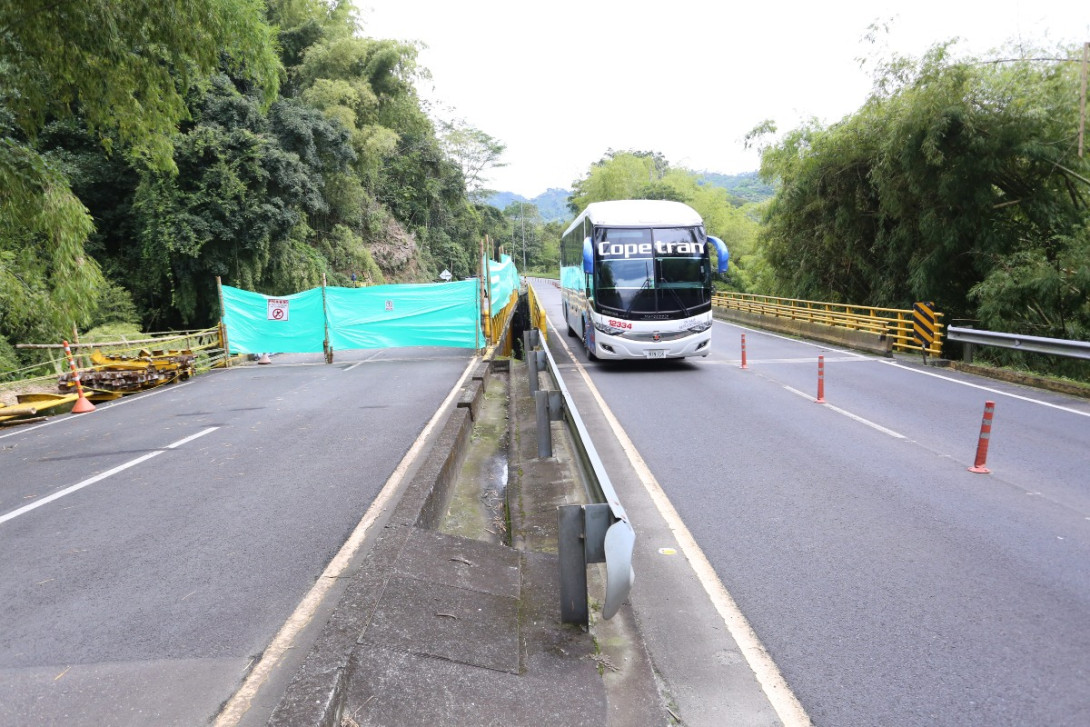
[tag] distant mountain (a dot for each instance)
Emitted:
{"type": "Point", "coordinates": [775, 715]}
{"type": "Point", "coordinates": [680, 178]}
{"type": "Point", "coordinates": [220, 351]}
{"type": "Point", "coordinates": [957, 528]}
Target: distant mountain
{"type": "Point", "coordinates": [552, 204]}
{"type": "Point", "coordinates": [747, 187]}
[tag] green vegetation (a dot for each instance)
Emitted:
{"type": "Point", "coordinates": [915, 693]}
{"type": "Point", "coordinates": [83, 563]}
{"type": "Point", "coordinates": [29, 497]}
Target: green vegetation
{"type": "Point", "coordinates": [122, 72]}
{"type": "Point", "coordinates": [747, 187]}
{"type": "Point", "coordinates": [152, 147]}
{"type": "Point", "coordinates": [958, 182]}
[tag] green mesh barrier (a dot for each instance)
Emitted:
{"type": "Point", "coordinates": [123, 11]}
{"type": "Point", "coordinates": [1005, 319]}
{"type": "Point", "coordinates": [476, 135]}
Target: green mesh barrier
{"type": "Point", "coordinates": [384, 316]}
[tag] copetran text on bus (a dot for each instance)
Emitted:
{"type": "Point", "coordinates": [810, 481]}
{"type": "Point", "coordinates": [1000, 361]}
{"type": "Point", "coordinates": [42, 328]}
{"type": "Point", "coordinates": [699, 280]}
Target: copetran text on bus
{"type": "Point", "coordinates": [643, 249]}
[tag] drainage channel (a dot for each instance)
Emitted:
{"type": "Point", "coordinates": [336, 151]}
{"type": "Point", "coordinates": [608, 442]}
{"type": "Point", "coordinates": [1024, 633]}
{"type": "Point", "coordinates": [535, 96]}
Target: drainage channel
{"type": "Point", "coordinates": [477, 503]}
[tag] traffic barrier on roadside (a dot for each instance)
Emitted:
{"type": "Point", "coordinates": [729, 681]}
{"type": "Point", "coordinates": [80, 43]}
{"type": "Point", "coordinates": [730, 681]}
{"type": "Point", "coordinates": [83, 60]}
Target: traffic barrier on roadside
{"type": "Point", "coordinates": [744, 352]}
{"type": "Point", "coordinates": [83, 404]}
{"type": "Point", "coordinates": [597, 532]}
{"type": "Point", "coordinates": [985, 439]}
{"type": "Point", "coordinates": [821, 381]}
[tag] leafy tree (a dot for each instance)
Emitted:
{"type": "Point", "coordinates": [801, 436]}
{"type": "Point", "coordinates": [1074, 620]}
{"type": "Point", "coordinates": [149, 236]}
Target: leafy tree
{"type": "Point", "coordinates": [124, 68]}
{"type": "Point", "coordinates": [474, 151]}
{"type": "Point", "coordinates": [150, 153]}
{"type": "Point", "coordinates": [1046, 289]}
{"type": "Point", "coordinates": [953, 169]}
{"type": "Point", "coordinates": [240, 207]}
{"type": "Point", "coordinates": [618, 175]}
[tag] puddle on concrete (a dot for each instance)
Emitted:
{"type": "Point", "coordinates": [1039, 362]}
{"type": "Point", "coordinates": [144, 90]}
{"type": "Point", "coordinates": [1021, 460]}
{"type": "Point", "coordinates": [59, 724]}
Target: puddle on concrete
{"type": "Point", "coordinates": [477, 503]}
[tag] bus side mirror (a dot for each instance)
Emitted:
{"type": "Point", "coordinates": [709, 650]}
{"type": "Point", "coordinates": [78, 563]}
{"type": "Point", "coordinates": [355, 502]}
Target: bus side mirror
{"type": "Point", "coordinates": [721, 252]}
{"type": "Point", "coordinates": [588, 256]}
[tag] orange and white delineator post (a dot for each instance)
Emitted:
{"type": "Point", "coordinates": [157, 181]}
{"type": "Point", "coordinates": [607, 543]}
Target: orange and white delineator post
{"type": "Point", "coordinates": [83, 404]}
{"type": "Point", "coordinates": [985, 439]}
{"type": "Point", "coordinates": [821, 381]}
{"type": "Point", "coordinates": [744, 352]}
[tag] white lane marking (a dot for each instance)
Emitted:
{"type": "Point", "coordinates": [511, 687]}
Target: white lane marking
{"type": "Point", "coordinates": [105, 407]}
{"type": "Point", "coordinates": [101, 476]}
{"type": "Point", "coordinates": [779, 694]}
{"type": "Point", "coordinates": [912, 370]}
{"type": "Point", "coordinates": [191, 437]}
{"type": "Point", "coordinates": [854, 417]}
{"type": "Point", "coordinates": [364, 360]}
{"type": "Point", "coordinates": [376, 358]}
{"type": "Point", "coordinates": [237, 706]}
{"type": "Point", "coordinates": [988, 389]}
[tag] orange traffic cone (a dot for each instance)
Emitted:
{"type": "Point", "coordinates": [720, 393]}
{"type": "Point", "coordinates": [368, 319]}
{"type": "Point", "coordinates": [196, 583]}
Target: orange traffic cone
{"type": "Point", "coordinates": [83, 404]}
{"type": "Point", "coordinates": [264, 359]}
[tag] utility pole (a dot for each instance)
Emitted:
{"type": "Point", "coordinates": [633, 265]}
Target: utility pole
{"type": "Point", "coordinates": [522, 211]}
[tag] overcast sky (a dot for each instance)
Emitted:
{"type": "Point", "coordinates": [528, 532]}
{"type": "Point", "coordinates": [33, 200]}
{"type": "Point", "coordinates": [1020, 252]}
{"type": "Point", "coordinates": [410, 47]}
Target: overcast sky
{"type": "Point", "coordinates": [561, 82]}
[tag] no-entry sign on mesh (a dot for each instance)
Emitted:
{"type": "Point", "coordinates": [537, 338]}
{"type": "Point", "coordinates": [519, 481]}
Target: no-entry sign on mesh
{"type": "Point", "coordinates": [278, 309]}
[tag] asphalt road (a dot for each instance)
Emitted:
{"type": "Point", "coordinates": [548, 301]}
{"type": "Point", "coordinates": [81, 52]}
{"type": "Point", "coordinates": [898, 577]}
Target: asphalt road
{"type": "Point", "coordinates": [188, 523]}
{"type": "Point", "coordinates": [890, 585]}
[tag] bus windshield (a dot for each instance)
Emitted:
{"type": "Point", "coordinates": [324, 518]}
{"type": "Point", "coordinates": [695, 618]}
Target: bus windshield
{"type": "Point", "coordinates": [652, 273]}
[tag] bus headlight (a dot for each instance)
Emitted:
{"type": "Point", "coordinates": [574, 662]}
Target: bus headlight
{"type": "Point", "coordinates": [608, 330]}
{"type": "Point", "coordinates": [700, 327]}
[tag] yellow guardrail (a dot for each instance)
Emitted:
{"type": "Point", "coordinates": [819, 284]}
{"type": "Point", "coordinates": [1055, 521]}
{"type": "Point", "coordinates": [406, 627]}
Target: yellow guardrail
{"type": "Point", "coordinates": [537, 313]}
{"type": "Point", "coordinates": [203, 348]}
{"type": "Point", "coordinates": [896, 323]}
{"type": "Point", "coordinates": [498, 325]}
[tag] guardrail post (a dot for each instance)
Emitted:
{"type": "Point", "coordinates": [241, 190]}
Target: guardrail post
{"type": "Point", "coordinates": [571, 535]}
{"type": "Point", "coordinates": [532, 363]}
{"type": "Point", "coordinates": [544, 428]}
{"type": "Point", "coordinates": [583, 531]}
{"type": "Point", "coordinates": [556, 406]}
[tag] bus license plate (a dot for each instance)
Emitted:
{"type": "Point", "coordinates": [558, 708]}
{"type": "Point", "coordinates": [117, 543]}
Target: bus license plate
{"type": "Point", "coordinates": [656, 353]}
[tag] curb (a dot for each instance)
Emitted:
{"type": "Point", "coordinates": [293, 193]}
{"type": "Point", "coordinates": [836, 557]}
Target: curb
{"type": "Point", "coordinates": [316, 694]}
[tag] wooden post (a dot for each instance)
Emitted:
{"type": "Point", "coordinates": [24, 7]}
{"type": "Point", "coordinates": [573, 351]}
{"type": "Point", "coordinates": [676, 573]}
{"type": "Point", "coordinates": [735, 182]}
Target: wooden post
{"type": "Point", "coordinates": [488, 282]}
{"type": "Point", "coordinates": [477, 331]}
{"type": "Point", "coordinates": [325, 326]}
{"type": "Point", "coordinates": [486, 293]}
{"type": "Point", "coordinates": [223, 326]}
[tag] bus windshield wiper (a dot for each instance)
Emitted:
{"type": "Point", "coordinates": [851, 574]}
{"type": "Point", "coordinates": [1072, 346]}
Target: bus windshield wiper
{"type": "Point", "coordinates": [677, 297]}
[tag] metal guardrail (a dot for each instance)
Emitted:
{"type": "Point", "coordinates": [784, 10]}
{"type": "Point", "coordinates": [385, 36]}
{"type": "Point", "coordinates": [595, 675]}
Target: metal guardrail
{"type": "Point", "coordinates": [598, 532]}
{"type": "Point", "coordinates": [206, 345]}
{"type": "Point", "coordinates": [894, 322]}
{"type": "Point", "coordinates": [1037, 344]}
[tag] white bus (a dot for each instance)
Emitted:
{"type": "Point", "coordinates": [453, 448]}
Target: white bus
{"type": "Point", "coordinates": [635, 277]}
